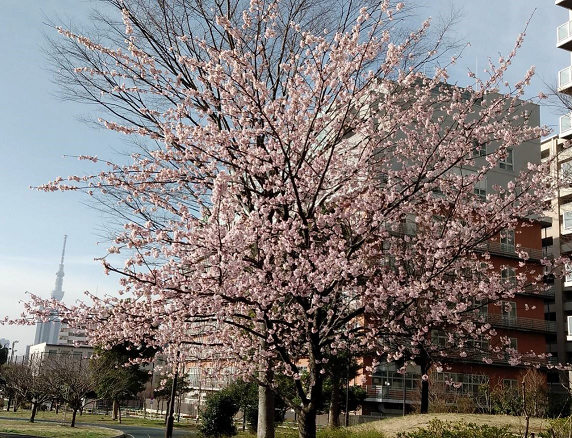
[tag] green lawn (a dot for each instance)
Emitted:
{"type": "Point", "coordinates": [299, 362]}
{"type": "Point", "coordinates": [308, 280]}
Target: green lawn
{"type": "Point", "coordinates": [63, 419]}
{"type": "Point", "coordinates": [55, 430]}
{"type": "Point", "coordinates": [104, 420]}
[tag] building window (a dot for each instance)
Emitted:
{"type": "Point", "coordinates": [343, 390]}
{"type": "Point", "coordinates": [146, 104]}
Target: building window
{"type": "Point", "coordinates": [568, 277]}
{"type": "Point", "coordinates": [481, 307]}
{"type": "Point", "coordinates": [569, 320]}
{"type": "Point", "coordinates": [510, 384]}
{"type": "Point", "coordinates": [566, 170]}
{"type": "Point", "coordinates": [507, 240]}
{"type": "Point", "coordinates": [509, 310]}
{"type": "Point", "coordinates": [481, 193]}
{"type": "Point", "coordinates": [508, 275]}
{"type": "Point", "coordinates": [479, 150]}
{"type": "Point", "coordinates": [513, 343]}
{"type": "Point", "coordinates": [567, 220]}
{"type": "Point", "coordinates": [439, 337]}
{"type": "Point", "coordinates": [507, 163]}
{"type": "Point", "coordinates": [474, 383]}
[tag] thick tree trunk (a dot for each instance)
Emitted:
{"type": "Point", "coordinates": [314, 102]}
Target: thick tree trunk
{"type": "Point", "coordinates": [34, 410]}
{"type": "Point", "coordinates": [9, 403]}
{"type": "Point", "coordinates": [307, 422]}
{"type": "Point", "coordinates": [74, 415]}
{"type": "Point", "coordinates": [265, 427]}
{"type": "Point", "coordinates": [115, 410]}
{"type": "Point", "coordinates": [334, 413]}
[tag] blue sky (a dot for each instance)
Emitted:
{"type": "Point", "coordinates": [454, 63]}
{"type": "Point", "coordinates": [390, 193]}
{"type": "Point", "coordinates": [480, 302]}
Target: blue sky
{"type": "Point", "coordinates": [37, 130]}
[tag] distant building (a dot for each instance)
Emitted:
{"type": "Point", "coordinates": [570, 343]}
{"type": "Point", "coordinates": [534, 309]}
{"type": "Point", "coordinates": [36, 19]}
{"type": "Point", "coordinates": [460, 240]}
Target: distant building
{"type": "Point", "coordinates": [43, 350]}
{"type": "Point", "coordinates": [48, 331]}
{"type": "Point", "coordinates": [71, 336]}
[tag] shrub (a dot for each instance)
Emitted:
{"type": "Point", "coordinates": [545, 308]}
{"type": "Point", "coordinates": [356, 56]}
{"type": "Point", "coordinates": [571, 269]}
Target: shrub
{"type": "Point", "coordinates": [558, 428]}
{"type": "Point", "coordinates": [218, 415]}
{"type": "Point", "coordinates": [442, 429]}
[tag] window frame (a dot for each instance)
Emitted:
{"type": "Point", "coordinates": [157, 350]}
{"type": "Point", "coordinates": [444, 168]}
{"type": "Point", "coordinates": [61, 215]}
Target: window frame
{"type": "Point", "coordinates": [507, 162]}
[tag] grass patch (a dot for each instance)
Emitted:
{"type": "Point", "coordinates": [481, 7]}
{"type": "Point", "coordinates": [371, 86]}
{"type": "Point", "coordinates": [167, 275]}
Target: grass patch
{"type": "Point", "coordinates": [322, 433]}
{"type": "Point", "coordinates": [54, 430]}
{"type": "Point", "coordinates": [104, 420]}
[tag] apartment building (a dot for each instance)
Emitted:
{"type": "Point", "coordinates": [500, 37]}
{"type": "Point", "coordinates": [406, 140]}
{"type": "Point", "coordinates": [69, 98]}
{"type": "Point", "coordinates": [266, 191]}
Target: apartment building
{"type": "Point", "coordinates": [528, 320]}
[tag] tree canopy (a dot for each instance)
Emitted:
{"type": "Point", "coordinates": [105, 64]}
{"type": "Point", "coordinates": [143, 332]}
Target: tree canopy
{"type": "Point", "coordinates": [299, 192]}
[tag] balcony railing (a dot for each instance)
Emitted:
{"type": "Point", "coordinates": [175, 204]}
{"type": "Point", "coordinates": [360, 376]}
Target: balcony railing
{"type": "Point", "coordinates": [564, 36]}
{"type": "Point", "coordinates": [565, 80]}
{"type": "Point", "coordinates": [519, 323]}
{"type": "Point", "coordinates": [566, 126]}
{"type": "Point", "coordinates": [384, 393]}
{"type": "Point", "coordinates": [506, 250]}
{"type": "Point", "coordinates": [539, 291]}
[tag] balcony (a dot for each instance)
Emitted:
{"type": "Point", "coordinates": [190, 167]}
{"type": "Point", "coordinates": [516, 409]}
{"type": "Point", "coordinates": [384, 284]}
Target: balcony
{"type": "Point", "coordinates": [522, 324]}
{"type": "Point", "coordinates": [566, 126]}
{"type": "Point", "coordinates": [506, 250]}
{"type": "Point", "coordinates": [381, 393]}
{"type": "Point", "coordinates": [564, 3]}
{"type": "Point", "coordinates": [564, 36]}
{"type": "Point", "coordinates": [539, 291]}
{"type": "Point", "coordinates": [565, 80]}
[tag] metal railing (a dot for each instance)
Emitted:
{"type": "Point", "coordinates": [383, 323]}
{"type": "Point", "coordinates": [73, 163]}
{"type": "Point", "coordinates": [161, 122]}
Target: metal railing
{"type": "Point", "coordinates": [564, 78]}
{"type": "Point", "coordinates": [389, 394]}
{"type": "Point", "coordinates": [566, 125]}
{"type": "Point", "coordinates": [497, 248]}
{"type": "Point", "coordinates": [540, 291]}
{"type": "Point", "coordinates": [563, 32]}
{"type": "Point", "coordinates": [519, 323]}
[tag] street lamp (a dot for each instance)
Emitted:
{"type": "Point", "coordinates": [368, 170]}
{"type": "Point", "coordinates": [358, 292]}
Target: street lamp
{"type": "Point", "coordinates": [171, 417]}
{"type": "Point", "coordinates": [12, 355]}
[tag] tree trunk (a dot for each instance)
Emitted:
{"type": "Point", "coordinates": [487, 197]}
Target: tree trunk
{"type": "Point", "coordinates": [34, 410]}
{"type": "Point", "coordinates": [265, 427]}
{"type": "Point", "coordinates": [115, 409]}
{"type": "Point", "coordinates": [334, 413]}
{"type": "Point", "coordinates": [9, 403]}
{"type": "Point", "coordinates": [74, 414]}
{"type": "Point", "coordinates": [307, 422]}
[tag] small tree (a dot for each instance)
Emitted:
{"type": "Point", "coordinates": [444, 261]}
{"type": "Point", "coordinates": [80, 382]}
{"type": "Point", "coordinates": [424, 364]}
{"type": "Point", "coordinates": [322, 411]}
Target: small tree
{"type": "Point", "coordinates": [163, 392]}
{"type": "Point", "coordinates": [115, 378]}
{"type": "Point", "coordinates": [28, 381]}
{"type": "Point", "coordinates": [217, 418]}
{"type": "Point", "coordinates": [71, 380]}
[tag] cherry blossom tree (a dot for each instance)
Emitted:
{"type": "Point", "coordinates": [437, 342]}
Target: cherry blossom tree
{"type": "Point", "coordinates": [300, 193]}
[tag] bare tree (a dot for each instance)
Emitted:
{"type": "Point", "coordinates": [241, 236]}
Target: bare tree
{"type": "Point", "coordinates": [28, 381]}
{"type": "Point", "coordinates": [70, 379]}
